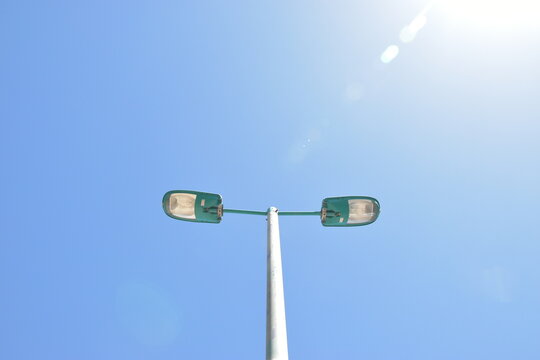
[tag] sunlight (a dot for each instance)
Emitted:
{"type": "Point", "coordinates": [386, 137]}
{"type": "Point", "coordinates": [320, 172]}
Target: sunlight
{"type": "Point", "coordinates": [409, 32]}
{"type": "Point", "coordinates": [493, 14]}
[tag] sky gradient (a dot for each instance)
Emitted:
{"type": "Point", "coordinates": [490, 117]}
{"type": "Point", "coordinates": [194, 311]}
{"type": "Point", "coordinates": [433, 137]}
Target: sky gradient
{"type": "Point", "coordinates": [432, 108]}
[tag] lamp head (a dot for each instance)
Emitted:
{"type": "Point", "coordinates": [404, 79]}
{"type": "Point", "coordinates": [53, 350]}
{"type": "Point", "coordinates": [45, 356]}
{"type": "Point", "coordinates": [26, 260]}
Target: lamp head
{"type": "Point", "coordinates": [349, 211]}
{"type": "Point", "coordinates": [193, 206]}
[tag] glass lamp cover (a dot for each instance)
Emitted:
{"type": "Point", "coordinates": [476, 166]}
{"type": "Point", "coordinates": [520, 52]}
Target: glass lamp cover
{"type": "Point", "coordinates": [361, 211]}
{"type": "Point", "coordinates": [182, 205]}
{"type": "Point", "coordinates": [191, 205]}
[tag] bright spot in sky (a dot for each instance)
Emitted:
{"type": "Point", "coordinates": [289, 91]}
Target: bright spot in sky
{"type": "Point", "coordinates": [493, 14]}
{"type": "Point", "coordinates": [409, 32]}
{"type": "Point", "coordinates": [389, 54]}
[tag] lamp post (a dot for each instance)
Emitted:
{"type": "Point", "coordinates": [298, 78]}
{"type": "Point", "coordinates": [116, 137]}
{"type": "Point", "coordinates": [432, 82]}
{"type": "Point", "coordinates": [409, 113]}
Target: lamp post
{"type": "Point", "coordinates": [336, 211]}
{"type": "Point", "coordinates": [276, 327]}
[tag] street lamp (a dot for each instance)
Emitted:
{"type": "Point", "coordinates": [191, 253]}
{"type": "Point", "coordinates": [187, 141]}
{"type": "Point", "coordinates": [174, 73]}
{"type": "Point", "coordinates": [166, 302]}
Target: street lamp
{"type": "Point", "coordinates": [205, 207]}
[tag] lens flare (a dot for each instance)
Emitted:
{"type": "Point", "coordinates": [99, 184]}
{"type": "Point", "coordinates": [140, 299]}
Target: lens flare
{"type": "Point", "coordinates": [389, 54]}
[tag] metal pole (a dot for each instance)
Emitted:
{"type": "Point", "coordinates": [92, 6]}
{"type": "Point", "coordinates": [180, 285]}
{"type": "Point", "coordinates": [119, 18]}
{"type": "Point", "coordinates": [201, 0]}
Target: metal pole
{"type": "Point", "coordinates": [276, 328]}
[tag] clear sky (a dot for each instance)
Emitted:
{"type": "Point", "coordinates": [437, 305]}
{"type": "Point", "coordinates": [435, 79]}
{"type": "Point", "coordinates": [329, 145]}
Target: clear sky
{"type": "Point", "coordinates": [432, 108]}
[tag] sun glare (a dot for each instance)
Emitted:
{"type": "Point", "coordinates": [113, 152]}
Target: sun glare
{"type": "Point", "coordinates": [493, 14]}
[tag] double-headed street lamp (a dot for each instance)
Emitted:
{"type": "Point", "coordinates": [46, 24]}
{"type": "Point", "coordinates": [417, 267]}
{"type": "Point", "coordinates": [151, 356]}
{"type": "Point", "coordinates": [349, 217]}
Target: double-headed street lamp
{"type": "Point", "coordinates": [335, 211]}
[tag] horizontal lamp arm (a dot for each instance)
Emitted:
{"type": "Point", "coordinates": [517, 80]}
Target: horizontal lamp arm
{"type": "Point", "coordinates": [247, 212]}
{"type": "Point", "coordinates": [299, 213]}
{"type": "Point", "coordinates": [285, 213]}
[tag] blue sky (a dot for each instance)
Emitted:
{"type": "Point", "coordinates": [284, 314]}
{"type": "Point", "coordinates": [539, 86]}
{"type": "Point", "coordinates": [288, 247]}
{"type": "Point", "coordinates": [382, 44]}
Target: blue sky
{"type": "Point", "coordinates": [105, 106]}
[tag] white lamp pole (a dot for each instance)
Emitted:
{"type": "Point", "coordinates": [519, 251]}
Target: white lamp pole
{"type": "Point", "coordinates": [276, 327]}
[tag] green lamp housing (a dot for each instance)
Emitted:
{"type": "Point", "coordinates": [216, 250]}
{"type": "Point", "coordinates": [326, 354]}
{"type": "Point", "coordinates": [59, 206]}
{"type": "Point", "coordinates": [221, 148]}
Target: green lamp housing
{"type": "Point", "coordinates": [193, 206]}
{"type": "Point", "coordinates": [349, 211]}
